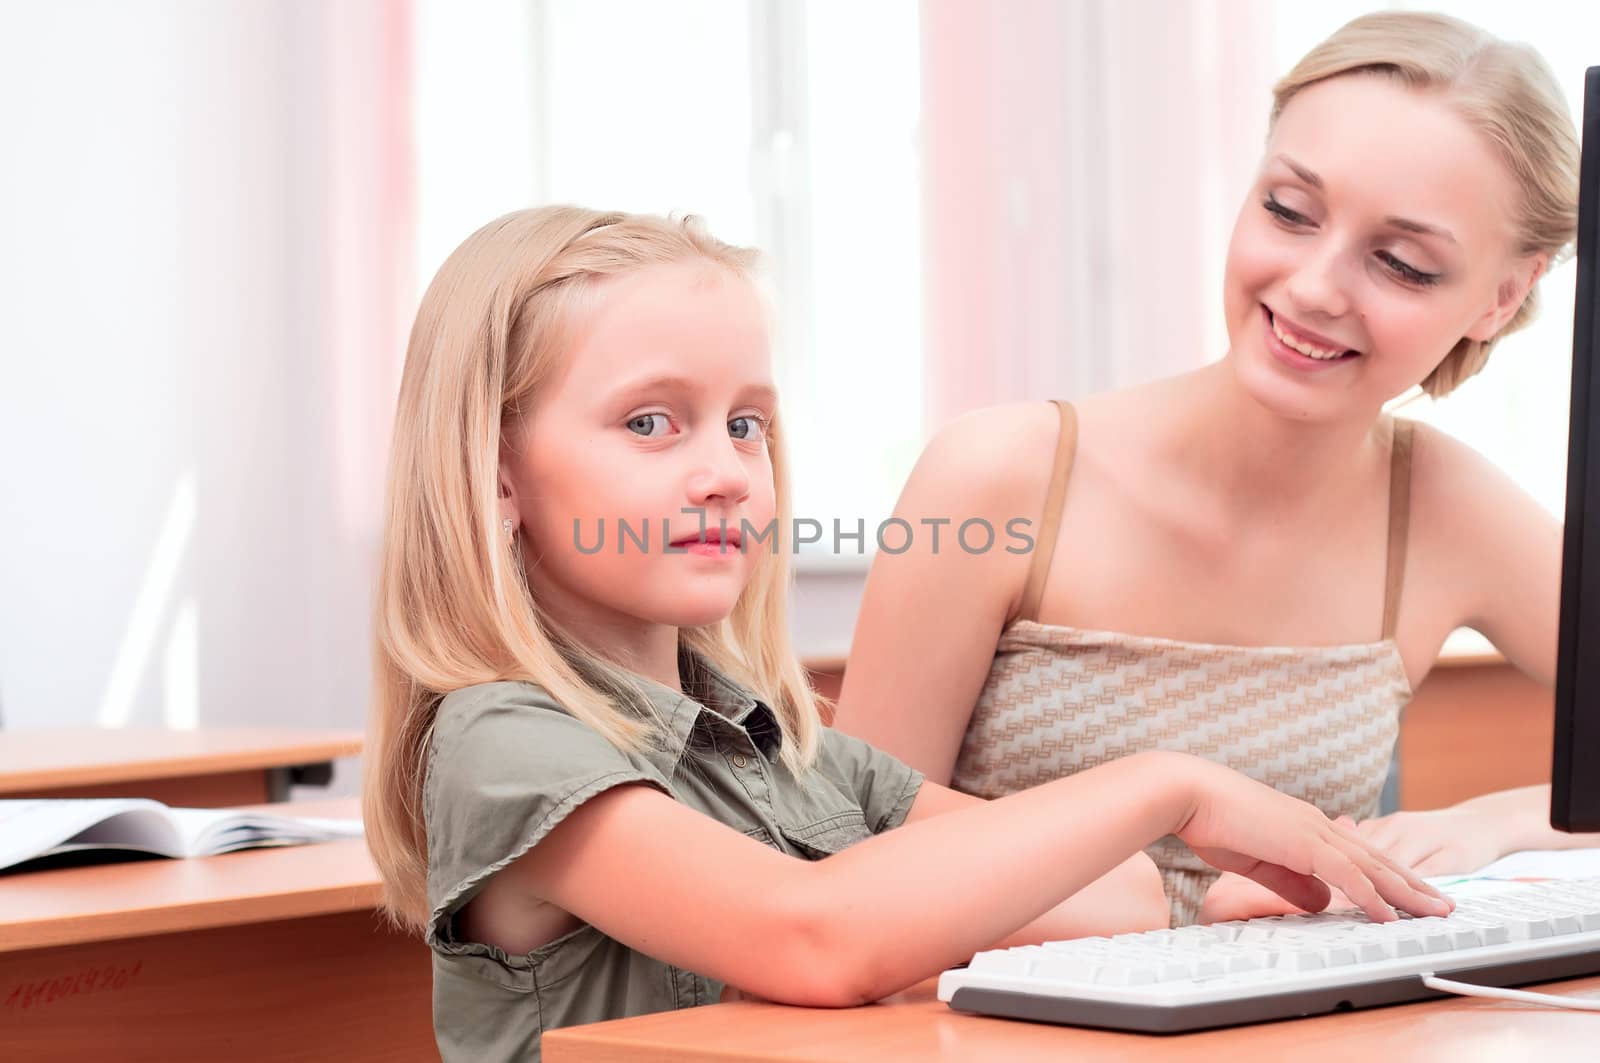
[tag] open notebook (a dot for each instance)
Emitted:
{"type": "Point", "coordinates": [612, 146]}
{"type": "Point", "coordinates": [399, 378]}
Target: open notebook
{"type": "Point", "coordinates": [33, 828]}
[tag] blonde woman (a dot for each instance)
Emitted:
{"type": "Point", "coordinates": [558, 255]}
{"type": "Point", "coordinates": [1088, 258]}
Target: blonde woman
{"type": "Point", "coordinates": [1253, 562]}
{"type": "Point", "coordinates": [596, 780]}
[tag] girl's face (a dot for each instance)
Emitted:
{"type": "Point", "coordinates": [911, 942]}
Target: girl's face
{"type": "Point", "coordinates": [1378, 234]}
{"type": "Point", "coordinates": [661, 407]}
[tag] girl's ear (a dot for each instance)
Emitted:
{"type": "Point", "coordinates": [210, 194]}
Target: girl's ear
{"type": "Point", "coordinates": [506, 489]}
{"type": "Point", "coordinates": [1509, 297]}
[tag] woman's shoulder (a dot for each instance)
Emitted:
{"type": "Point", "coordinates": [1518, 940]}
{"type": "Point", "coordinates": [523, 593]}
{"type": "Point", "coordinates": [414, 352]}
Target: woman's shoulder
{"type": "Point", "coordinates": [1451, 481]}
{"type": "Point", "coordinates": [991, 457]}
{"type": "Point", "coordinates": [1464, 510]}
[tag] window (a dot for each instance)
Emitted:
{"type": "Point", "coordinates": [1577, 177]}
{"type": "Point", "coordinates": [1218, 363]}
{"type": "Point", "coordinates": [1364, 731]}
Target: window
{"type": "Point", "coordinates": [788, 126]}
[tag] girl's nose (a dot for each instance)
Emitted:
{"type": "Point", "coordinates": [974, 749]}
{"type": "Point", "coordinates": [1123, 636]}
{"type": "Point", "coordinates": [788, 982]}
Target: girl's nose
{"type": "Point", "coordinates": [720, 475]}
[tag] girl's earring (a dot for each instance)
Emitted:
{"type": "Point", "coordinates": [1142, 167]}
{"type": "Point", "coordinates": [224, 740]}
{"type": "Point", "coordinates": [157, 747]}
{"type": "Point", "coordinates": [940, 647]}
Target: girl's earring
{"type": "Point", "coordinates": [510, 528]}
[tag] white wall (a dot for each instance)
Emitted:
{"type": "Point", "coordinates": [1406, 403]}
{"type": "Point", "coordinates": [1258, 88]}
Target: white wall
{"type": "Point", "coordinates": [188, 517]}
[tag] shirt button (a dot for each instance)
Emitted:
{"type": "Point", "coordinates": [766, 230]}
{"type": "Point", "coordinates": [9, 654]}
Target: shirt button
{"type": "Point", "coordinates": [738, 760]}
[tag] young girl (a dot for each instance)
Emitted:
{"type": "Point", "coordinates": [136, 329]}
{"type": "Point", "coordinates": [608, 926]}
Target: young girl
{"type": "Point", "coordinates": [597, 782]}
{"type": "Point", "coordinates": [1253, 561]}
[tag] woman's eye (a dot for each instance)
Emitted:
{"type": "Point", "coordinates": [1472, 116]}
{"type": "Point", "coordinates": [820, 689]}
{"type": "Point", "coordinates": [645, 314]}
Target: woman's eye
{"type": "Point", "coordinates": [648, 425]}
{"type": "Point", "coordinates": [1409, 274]}
{"type": "Point", "coordinates": [1283, 213]}
{"type": "Point", "coordinates": [749, 427]}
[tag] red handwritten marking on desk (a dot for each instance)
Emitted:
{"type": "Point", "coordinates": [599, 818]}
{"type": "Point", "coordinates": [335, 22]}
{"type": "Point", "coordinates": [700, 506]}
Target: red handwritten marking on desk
{"type": "Point", "coordinates": [89, 980]}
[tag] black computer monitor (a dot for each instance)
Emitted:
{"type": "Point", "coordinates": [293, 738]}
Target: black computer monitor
{"type": "Point", "coordinates": [1575, 780]}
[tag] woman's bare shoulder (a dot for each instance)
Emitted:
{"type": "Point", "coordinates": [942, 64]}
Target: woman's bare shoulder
{"type": "Point", "coordinates": [994, 458]}
{"type": "Point", "coordinates": [1451, 482]}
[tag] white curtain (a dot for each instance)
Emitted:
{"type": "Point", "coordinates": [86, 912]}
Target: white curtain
{"type": "Point", "coordinates": [208, 276]}
{"type": "Point", "coordinates": [1081, 167]}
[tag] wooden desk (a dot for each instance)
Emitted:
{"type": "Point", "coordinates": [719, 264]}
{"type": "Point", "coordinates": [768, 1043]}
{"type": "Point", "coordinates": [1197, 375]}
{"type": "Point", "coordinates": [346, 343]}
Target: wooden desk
{"type": "Point", "coordinates": [267, 954]}
{"type": "Point", "coordinates": [915, 1026]}
{"type": "Point", "coordinates": [211, 768]}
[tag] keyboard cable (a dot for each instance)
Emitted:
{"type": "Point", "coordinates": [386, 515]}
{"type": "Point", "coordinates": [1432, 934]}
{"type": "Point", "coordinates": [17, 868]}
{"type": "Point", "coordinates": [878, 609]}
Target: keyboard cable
{"type": "Point", "coordinates": [1467, 989]}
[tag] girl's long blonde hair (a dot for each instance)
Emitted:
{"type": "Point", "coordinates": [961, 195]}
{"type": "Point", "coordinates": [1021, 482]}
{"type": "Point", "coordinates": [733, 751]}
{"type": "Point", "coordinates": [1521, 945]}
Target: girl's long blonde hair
{"type": "Point", "coordinates": [453, 603]}
{"type": "Point", "coordinates": [1502, 89]}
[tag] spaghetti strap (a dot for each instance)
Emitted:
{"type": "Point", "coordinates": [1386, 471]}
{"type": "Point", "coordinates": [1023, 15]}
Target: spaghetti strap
{"type": "Point", "coordinates": [1399, 523]}
{"type": "Point", "coordinates": [1050, 522]}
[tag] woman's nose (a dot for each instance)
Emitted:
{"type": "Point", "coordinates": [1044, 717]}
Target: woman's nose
{"type": "Point", "coordinates": [1317, 288]}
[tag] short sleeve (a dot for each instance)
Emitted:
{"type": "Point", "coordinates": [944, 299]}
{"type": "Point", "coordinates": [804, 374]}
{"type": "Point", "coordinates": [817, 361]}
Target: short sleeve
{"type": "Point", "coordinates": [884, 785]}
{"type": "Point", "coordinates": [507, 765]}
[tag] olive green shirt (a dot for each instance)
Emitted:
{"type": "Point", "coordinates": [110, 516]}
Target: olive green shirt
{"type": "Point", "coordinates": [507, 764]}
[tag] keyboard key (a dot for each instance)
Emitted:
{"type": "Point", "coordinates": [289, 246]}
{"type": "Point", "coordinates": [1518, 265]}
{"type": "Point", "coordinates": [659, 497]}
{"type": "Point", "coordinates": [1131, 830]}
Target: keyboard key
{"type": "Point", "coordinates": [1060, 967]}
{"type": "Point", "coordinates": [1300, 961]}
{"type": "Point", "coordinates": [1566, 924]}
{"type": "Point", "coordinates": [1001, 961]}
{"type": "Point", "coordinates": [1123, 974]}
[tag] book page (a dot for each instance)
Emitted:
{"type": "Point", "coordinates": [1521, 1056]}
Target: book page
{"type": "Point", "coordinates": [207, 831]}
{"type": "Point", "coordinates": [1545, 863]}
{"type": "Point", "coordinates": [33, 828]}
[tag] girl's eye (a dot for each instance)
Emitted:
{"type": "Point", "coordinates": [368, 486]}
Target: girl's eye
{"type": "Point", "coordinates": [649, 425]}
{"type": "Point", "coordinates": [1283, 213]}
{"type": "Point", "coordinates": [747, 427]}
{"type": "Point", "coordinates": [1409, 274]}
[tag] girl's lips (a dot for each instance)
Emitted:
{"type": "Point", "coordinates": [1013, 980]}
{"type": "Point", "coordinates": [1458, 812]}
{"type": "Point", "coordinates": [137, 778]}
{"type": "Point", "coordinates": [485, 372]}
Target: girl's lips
{"type": "Point", "coordinates": [713, 541]}
{"type": "Point", "coordinates": [712, 548]}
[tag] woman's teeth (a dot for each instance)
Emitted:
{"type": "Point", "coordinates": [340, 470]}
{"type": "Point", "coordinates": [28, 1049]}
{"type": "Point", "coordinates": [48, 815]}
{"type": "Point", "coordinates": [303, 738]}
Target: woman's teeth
{"type": "Point", "coordinates": [1319, 353]}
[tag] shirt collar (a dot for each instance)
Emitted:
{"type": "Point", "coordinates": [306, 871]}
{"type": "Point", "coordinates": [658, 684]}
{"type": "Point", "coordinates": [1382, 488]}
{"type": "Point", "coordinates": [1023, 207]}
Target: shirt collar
{"type": "Point", "coordinates": [707, 690]}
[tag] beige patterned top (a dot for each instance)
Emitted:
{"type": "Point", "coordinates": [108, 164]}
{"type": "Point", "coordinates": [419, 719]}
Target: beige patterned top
{"type": "Point", "coordinates": [1319, 723]}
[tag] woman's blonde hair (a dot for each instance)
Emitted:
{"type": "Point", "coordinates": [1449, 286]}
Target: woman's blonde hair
{"type": "Point", "coordinates": [1502, 89]}
{"type": "Point", "coordinates": [453, 605]}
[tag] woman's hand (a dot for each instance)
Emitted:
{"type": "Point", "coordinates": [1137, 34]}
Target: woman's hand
{"type": "Point", "coordinates": [1237, 824]}
{"type": "Point", "coordinates": [1444, 841]}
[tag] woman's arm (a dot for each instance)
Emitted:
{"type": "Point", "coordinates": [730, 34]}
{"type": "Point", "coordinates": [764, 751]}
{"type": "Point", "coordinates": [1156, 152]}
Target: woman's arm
{"type": "Point", "coordinates": [931, 616]}
{"type": "Point", "coordinates": [1473, 833]}
{"type": "Point", "coordinates": [903, 905]}
{"type": "Point", "coordinates": [1497, 553]}
{"type": "Point", "coordinates": [1501, 552]}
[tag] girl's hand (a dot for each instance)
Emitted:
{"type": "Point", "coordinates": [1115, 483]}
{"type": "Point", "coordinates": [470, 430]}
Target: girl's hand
{"type": "Point", "coordinates": [1445, 841]}
{"type": "Point", "coordinates": [1236, 897]}
{"type": "Point", "coordinates": [1237, 824]}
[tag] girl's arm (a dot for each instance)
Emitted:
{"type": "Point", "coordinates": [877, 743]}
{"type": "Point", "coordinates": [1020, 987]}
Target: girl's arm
{"type": "Point", "coordinates": [930, 617]}
{"type": "Point", "coordinates": [903, 905]}
{"type": "Point", "coordinates": [1129, 897]}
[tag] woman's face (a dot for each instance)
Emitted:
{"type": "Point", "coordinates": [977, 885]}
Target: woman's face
{"type": "Point", "coordinates": [1378, 233]}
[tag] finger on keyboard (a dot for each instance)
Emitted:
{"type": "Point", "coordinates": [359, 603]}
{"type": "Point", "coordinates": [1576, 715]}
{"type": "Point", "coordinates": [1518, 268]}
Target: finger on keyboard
{"type": "Point", "coordinates": [1345, 871]}
{"type": "Point", "coordinates": [1398, 884]}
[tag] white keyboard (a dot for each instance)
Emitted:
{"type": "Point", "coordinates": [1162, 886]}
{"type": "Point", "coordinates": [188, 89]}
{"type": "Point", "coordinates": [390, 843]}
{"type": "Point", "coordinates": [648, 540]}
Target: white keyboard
{"type": "Point", "coordinates": [1194, 977]}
